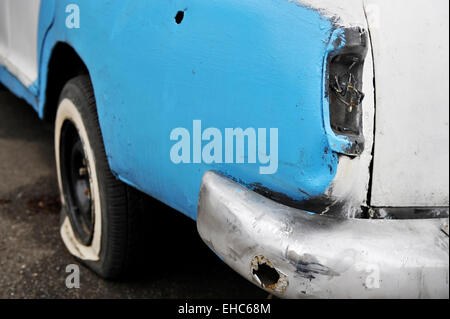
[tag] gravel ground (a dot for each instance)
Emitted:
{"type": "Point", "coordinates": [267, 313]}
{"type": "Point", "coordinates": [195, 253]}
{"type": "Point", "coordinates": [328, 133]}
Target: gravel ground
{"type": "Point", "coordinates": [33, 259]}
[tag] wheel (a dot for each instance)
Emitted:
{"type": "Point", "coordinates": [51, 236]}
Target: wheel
{"type": "Point", "coordinates": [100, 214]}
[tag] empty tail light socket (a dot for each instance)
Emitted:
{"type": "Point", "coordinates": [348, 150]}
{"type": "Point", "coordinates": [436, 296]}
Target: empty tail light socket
{"type": "Point", "coordinates": [344, 87]}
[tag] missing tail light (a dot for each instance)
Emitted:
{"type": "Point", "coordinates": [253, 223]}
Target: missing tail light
{"type": "Point", "coordinates": [345, 74]}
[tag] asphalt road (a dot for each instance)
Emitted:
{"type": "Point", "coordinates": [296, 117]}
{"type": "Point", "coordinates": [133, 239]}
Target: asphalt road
{"type": "Point", "coordinates": [33, 260]}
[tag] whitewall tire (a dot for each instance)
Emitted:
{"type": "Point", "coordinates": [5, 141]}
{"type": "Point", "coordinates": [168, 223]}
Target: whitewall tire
{"type": "Point", "coordinates": [100, 213]}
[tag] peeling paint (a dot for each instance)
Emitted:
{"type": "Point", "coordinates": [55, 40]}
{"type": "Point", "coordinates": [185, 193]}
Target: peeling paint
{"type": "Point", "coordinates": [343, 13]}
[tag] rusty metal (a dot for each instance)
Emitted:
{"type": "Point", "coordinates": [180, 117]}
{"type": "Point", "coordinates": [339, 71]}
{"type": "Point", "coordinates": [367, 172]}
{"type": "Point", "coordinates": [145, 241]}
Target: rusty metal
{"type": "Point", "coordinates": [279, 286]}
{"type": "Point", "coordinates": [345, 87]}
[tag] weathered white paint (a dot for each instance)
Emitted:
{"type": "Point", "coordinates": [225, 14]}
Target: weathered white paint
{"type": "Point", "coordinates": [410, 39]}
{"type": "Point", "coordinates": [343, 12]}
{"type": "Point", "coordinates": [18, 38]}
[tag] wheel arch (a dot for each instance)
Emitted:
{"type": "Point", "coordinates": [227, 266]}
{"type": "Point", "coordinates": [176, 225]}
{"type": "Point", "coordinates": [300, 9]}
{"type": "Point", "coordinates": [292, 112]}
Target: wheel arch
{"type": "Point", "coordinates": [64, 64]}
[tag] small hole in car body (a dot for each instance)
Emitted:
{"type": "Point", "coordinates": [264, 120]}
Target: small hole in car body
{"type": "Point", "coordinates": [179, 17]}
{"type": "Point", "coordinates": [267, 275]}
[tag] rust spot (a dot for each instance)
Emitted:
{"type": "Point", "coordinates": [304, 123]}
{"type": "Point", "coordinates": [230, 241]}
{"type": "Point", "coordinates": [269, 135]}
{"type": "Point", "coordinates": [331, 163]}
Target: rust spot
{"type": "Point", "coordinates": [267, 275]}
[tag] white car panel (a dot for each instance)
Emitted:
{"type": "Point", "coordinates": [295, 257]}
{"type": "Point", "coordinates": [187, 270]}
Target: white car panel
{"type": "Point", "coordinates": [411, 54]}
{"type": "Point", "coordinates": [19, 21]}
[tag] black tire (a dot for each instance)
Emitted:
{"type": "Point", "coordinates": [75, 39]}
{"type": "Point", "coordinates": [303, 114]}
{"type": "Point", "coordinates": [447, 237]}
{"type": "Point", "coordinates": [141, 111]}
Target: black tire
{"type": "Point", "coordinates": [108, 247]}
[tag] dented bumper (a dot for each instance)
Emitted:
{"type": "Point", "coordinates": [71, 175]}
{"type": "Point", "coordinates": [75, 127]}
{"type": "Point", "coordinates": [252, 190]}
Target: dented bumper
{"type": "Point", "coordinates": [294, 254]}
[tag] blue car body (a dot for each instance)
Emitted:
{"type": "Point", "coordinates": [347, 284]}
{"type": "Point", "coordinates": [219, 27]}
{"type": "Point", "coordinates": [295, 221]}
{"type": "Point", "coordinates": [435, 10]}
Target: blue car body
{"type": "Point", "coordinates": [230, 63]}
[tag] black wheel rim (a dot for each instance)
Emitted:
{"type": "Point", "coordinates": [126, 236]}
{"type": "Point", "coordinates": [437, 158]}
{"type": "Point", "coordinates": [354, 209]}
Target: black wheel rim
{"type": "Point", "coordinates": [76, 183]}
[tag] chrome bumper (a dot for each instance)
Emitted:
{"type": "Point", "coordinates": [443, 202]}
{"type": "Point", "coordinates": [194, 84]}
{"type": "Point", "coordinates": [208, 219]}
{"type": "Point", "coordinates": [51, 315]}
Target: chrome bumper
{"type": "Point", "coordinates": [294, 254]}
